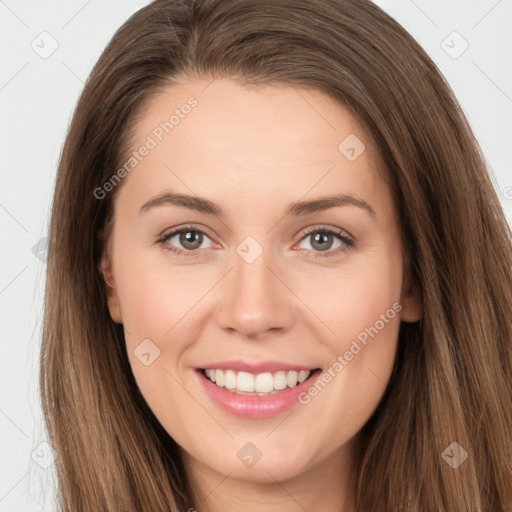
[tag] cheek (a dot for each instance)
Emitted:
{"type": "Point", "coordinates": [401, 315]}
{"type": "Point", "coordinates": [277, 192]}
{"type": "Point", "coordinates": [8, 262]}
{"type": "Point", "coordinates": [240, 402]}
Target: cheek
{"type": "Point", "coordinates": [364, 312]}
{"type": "Point", "coordinates": [355, 301]}
{"type": "Point", "coordinates": [157, 299]}
{"type": "Point", "coordinates": [362, 309]}
{"type": "Point", "coordinates": [161, 313]}
{"type": "Point", "coordinates": [157, 305]}
{"type": "Point", "coordinates": [367, 307]}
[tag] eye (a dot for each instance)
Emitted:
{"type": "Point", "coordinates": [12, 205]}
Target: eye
{"type": "Point", "coordinates": [327, 240]}
{"type": "Point", "coordinates": [184, 241]}
{"type": "Point", "coordinates": [324, 241]}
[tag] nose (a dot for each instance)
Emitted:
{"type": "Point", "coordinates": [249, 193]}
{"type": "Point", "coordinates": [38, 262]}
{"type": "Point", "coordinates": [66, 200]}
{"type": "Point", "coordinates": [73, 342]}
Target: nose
{"type": "Point", "coordinates": [255, 298]}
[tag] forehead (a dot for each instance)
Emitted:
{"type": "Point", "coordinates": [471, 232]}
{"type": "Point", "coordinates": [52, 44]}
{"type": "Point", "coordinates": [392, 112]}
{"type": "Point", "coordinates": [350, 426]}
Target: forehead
{"type": "Point", "coordinates": [236, 142]}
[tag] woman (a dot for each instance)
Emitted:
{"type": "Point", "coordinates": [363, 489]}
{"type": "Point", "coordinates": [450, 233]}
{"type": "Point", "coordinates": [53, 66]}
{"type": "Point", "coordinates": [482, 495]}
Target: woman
{"type": "Point", "coordinates": [278, 272]}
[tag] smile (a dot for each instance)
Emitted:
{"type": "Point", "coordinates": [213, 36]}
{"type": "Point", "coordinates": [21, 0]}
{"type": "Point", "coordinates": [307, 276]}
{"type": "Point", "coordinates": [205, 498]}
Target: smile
{"type": "Point", "coordinates": [261, 384]}
{"type": "Point", "coordinates": [255, 390]}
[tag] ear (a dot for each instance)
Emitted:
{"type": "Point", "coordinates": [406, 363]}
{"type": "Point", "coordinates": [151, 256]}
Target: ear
{"type": "Point", "coordinates": [412, 304]}
{"type": "Point", "coordinates": [108, 276]}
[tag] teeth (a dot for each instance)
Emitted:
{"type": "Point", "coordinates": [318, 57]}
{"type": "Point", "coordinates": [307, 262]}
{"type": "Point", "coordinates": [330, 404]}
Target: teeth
{"type": "Point", "coordinates": [261, 384]}
{"type": "Point", "coordinates": [230, 379]}
{"type": "Point", "coordinates": [245, 382]}
{"type": "Point", "coordinates": [303, 375]}
{"type": "Point", "coordinates": [291, 379]}
{"type": "Point", "coordinates": [219, 378]}
{"type": "Point", "coordinates": [264, 382]}
{"type": "Point", "coordinates": [279, 380]}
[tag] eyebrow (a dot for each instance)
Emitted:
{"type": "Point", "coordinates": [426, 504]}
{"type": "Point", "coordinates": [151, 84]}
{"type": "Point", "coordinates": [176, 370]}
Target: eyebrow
{"type": "Point", "coordinates": [298, 208]}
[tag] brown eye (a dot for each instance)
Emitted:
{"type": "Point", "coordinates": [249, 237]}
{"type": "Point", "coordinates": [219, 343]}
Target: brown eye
{"type": "Point", "coordinates": [185, 241]}
{"type": "Point", "coordinates": [326, 240]}
{"type": "Point", "coordinates": [190, 239]}
{"type": "Point", "coordinates": [321, 241]}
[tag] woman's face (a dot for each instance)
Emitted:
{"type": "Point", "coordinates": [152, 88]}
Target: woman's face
{"type": "Point", "coordinates": [288, 265]}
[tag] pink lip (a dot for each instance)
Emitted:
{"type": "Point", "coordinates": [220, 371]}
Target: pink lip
{"type": "Point", "coordinates": [255, 368]}
{"type": "Point", "coordinates": [254, 407]}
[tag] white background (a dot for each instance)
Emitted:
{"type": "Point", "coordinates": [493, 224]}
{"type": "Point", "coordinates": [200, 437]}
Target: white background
{"type": "Point", "coordinates": [37, 98]}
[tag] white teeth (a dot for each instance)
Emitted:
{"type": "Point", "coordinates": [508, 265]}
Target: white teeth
{"type": "Point", "coordinates": [219, 378]}
{"type": "Point", "coordinates": [230, 379]}
{"type": "Point", "coordinates": [279, 380]}
{"type": "Point", "coordinates": [303, 375]}
{"type": "Point", "coordinates": [291, 379]}
{"type": "Point", "coordinates": [245, 382]}
{"type": "Point", "coordinates": [261, 383]}
{"type": "Point", "coordinates": [264, 382]}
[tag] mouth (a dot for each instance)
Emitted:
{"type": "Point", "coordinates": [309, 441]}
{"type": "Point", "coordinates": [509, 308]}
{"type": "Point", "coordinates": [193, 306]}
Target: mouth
{"type": "Point", "coordinates": [257, 384]}
{"type": "Point", "coordinates": [255, 391]}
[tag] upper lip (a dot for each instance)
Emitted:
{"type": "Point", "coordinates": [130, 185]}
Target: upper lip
{"type": "Point", "coordinates": [255, 368]}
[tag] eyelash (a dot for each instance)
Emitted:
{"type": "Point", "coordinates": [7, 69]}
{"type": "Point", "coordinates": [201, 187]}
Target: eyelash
{"type": "Point", "coordinates": [338, 233]}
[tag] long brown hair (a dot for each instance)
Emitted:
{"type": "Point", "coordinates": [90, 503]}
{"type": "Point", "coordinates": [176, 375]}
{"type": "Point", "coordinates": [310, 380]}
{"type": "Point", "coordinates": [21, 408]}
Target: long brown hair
{"type": "Point", "coordinates": [452, 380]}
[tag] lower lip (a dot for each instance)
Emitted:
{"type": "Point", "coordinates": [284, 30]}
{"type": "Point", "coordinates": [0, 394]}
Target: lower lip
{"type": "Point", "coordinates": [247, 406]}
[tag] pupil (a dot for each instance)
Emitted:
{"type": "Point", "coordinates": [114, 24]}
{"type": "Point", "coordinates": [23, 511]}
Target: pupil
{"type": "Point", "coordinates": [323, 238]}
{"type": "Point", "coordinates": [191, 237]}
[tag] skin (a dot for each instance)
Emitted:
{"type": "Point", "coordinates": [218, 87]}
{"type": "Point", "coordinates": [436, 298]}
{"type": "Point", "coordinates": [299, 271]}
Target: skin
{"type": "Point", "coordinates": [253, 150]}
